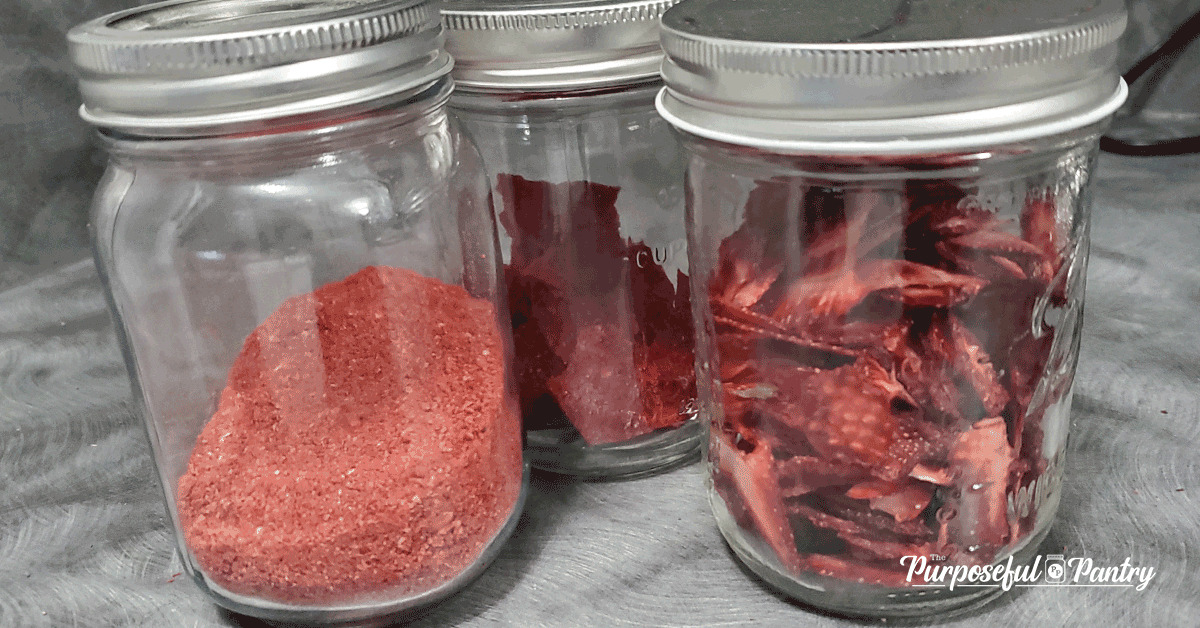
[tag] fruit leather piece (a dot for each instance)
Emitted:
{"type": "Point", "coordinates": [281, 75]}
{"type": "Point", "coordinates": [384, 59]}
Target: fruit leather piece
{"type": "Point", "coordinates": [667, 381]}
{"type": "Point", "coordinates": [661, 310]}
{"type": "Point", "coordinates": [598, 389]}
{"type": "Point", "coordinates": [530, 301]}
{"type": "Point", "coordinates": [608, 337]}
{"type": "Point", "coordinates": [664, 339]}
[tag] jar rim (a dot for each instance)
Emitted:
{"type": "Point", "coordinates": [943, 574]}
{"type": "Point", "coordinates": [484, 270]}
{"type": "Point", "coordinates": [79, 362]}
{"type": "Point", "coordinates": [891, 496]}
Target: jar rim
{"type": "Point", "coordinates": [548, 45]}
{"type": "Point", "coordinates": [187, 67]}
{"type": "Point", "coordinates": [299, 139]}
{"type": "Point", "coordinates": [939, 134]}
{"type": "Point", "coordinates": [859, 78]}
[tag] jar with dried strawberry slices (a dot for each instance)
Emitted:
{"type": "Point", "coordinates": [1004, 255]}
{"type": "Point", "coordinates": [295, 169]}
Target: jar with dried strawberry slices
{"type": "Point", "coordinates": [888, 232]}
{"type": "Point", "coordinates": [302, 261]}
{"type": "Point", "coordinates": [587, 181]}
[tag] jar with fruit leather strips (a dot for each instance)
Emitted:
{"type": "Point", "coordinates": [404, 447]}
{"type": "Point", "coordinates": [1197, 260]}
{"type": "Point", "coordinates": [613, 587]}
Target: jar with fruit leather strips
{"type": "Point", "coordinates": [587, 181]}
{"type": "Point", "coordinates": [888, 232]}
{"type": "Point", "coordinates": [302, 261]}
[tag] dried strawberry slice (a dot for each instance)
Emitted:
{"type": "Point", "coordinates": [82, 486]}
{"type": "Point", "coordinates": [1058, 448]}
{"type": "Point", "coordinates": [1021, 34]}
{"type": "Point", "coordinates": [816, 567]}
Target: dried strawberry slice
{"type": "Point", "coordinates": [800, 475]}
{"type": "Point", "coordinates": [947, 370]}
{"type": "Point", "coordinates": [931, 474]}
{"type": "Point", "coordinates": [739, 421]}
{"type": "Point", "coordinates": [973, 362]}
{"type": "Point", "coordinates": [743, 321]}
{"type": "Point", "coordinates": [758, 490]}
{"type": "Point", "coordinates": [743, 273]}
{"type": "Point", "coordinates": [762, 392]}
{"type": "Point", "coordinates": [951, 222]}
{"type": "Point", "coordinates": [834, 502]}
{"type": "Point", "coordinates": [1000, 316]}
{"type": "Point", "coordinates": [937, 213]}
{"type": "Point", "coordinates": [855, 414]}
{"type": "Point", "coordinates": [871, 488]}
{"type": "Point", "coordinates": [855, 336]}
{"type": "Point", "coordinates": [1039, 227]}
{"type": "Point", "coordinates": [982, 458]}
{"type": "Point", "coordinates": [833, 293]}
{"type": "Point", "coordinates": [919, 285]}
{"type": "Point", "coordinates": [994, 254]}
{"type": "Point", "coordinates": [921, 365]}
{"type": "Point", "coordinates": [871, 544]}
{"type": "Point", "coordinates": [735, 352]}
{"type": "Point", "coordinates": [836, 293]}
{"type": "Point", "coordinates": [902, 500]}
{"type": "Point", "coordinates": [751, 259]}
{"type": "Point", "coordinates": [870, 221]}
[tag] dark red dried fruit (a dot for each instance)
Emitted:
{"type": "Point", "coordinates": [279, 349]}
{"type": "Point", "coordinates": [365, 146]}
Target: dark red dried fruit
{"type": "Point", "coordinates": [879, 364]}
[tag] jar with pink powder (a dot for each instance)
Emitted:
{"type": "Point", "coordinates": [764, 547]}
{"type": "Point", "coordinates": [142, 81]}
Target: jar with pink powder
{"type": "Point", "coordinates": [302, 261]}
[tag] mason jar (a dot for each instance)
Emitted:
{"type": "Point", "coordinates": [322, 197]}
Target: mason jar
{"type": "Point", "coordinates": [587, 181]}
{"type": "Point", "coordinates": [888, 238]}
{"type": "Point", "coordinates": [302, 262]}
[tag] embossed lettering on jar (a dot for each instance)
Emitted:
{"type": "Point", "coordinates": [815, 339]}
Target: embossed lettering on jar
{"type": "Point", "coordinates": [301, 258]}
{"type": "Point", "coordinates": [888, 232]}
{"type": "Point", "coordinates": [587, 179]}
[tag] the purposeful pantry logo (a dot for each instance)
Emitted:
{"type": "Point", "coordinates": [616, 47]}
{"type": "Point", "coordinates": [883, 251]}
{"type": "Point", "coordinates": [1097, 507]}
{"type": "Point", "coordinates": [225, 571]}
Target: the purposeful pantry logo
{"type": "Point", "coordinates": [1053, 570]}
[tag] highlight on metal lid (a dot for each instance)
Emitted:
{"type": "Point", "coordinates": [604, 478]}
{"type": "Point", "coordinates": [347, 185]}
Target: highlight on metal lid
{"type": "Point", "coordinates": [550, 45]}
{"type": "Point", "coordinates": [893, 76]}
{"type": "Point", "coordinates": [181, 66]}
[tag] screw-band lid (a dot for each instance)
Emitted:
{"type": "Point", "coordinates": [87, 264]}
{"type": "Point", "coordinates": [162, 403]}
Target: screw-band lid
{"type": "Point", "coordinates": [551, 45]}
{"type": "Point", "coordinates": [182, 66]}
{"type": "Point", "coordinates": [894, 76]}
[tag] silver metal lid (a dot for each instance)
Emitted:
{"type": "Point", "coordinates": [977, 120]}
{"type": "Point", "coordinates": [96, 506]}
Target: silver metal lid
{"type": "Point", "coordinates": [889, 76]}
{"type": "Point", "coordinates": [551, 45]}
{"type": "Point", "coordinates": [182, 66]}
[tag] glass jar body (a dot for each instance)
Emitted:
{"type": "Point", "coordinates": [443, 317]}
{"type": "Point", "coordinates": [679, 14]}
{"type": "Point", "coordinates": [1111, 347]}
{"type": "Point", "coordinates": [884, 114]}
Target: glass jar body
{"type": "Point", "coordinates": [314, 324]}
{"type": "Point", "coordinates": [885, 354]}
{"type": "Point", "coordinates": [588, 194]}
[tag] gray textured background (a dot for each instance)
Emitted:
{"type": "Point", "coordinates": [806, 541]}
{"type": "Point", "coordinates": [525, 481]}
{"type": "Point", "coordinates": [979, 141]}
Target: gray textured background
{"type": "Point", "coordinates": [84, 540]}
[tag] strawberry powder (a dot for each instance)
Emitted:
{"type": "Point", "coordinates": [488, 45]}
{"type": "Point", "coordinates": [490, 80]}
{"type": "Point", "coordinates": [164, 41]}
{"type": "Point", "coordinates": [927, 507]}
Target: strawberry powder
{"type": "Point", "coordinates": [365, 443]}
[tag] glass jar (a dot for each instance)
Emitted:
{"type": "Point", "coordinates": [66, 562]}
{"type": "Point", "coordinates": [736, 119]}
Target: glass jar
{"type": "Point", "coordinates": [587, 181]}
{"type": "Point", "coordinates": [302, 263]}
{"type": "Point", "coordinates": [888, 236]}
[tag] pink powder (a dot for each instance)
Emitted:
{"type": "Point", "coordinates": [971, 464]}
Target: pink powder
{"type": "Point", "coordinates": [365, 443]}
